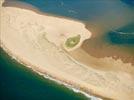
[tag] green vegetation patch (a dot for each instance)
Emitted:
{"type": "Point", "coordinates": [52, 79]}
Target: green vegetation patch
{"type": "Point", "coordinates": [72, 41]}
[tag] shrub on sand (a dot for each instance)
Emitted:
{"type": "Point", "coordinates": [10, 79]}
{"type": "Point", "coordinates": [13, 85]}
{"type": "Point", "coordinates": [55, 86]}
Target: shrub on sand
{"type": "Point", "coordinates": [72, 41]}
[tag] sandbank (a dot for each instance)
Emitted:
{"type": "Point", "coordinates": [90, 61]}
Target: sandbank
{"type": "Point", "coordinates": [38, 41]}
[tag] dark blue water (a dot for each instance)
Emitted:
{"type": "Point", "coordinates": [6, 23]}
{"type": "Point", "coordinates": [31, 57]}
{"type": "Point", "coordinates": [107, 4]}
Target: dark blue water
{"type": "Point", "coordinates": [129, 2]}
{"type": "Point", "coordinates": [79, 9]}
{"type": "Point", "coordinates": [107, 14]}
{"type": "Point", "coordinates": [123, 35]}
{"type": "Point", "coordinates": [19, 83]}
{"type": "Point", "coordinates": [71, 8]}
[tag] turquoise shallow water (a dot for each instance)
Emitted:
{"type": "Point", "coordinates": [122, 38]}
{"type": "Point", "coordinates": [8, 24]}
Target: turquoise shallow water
{"type": "Point", "coordinates": [20, 83]}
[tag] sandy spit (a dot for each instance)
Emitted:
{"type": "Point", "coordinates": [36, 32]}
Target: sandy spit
{"type": "Point", "coordinates": [36, 41]}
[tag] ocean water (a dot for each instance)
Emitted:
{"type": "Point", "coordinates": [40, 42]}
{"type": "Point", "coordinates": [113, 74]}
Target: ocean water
{"type": "Point", "coordinates": [20, 83]}
{"type": "Point", "coordinates": [79, 9]}
{"type": "Point", "coordinates": [106, 18]}
{"type": "Point", "coordinates": [123, 35]}
{"type": "Point", "coordinates": [104, 15]}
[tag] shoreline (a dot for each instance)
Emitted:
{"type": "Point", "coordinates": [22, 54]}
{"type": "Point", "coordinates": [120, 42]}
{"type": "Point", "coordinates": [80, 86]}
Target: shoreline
{"type": "Point", "coordinates": [23, 5]}
{"type": "Point", "coordinates": [53, 78]}
{"type": "Point", "coordinates": [72, 79]}
{"type": "Point", "coordinates": [90, 47]}
{"type": "Point", "coordinates": [46, 75]}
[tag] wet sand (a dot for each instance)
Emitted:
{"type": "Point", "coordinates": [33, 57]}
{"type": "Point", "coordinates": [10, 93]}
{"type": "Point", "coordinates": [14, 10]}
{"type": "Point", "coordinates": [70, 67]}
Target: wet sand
{"type": "Point", "coordinates": [96, 46]}
{"type": "Point", "coordinates": [28, 41]}
{"type": "Point", "coordinates": [100, 47]}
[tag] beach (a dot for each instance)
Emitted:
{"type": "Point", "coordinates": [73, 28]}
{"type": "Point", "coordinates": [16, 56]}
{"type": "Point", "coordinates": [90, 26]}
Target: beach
{"type": "Point", "coordinates": [37, 41]}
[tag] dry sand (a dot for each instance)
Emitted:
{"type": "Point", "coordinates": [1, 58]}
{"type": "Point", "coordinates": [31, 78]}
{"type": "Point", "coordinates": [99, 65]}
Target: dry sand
{"type": "Point", "coordinates": [36, 40]}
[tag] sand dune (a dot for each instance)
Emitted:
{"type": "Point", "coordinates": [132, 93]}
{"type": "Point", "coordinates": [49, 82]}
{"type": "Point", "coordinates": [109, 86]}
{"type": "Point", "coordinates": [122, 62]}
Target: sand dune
{"type": "Point", "coordinates": [37, 41]}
